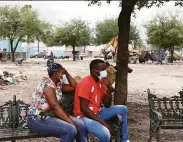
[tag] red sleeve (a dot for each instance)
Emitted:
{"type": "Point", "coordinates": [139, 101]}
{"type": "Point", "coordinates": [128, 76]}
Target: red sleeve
{"type": "Point", "coordinates": [84, 90]}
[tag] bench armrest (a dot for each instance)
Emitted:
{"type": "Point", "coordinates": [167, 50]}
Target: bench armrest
{"type": "Point", "coordinates": [156, 117]}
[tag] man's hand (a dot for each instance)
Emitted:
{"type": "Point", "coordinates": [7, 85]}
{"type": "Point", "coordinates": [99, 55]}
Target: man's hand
{"type": "Point", "coordinates": [106, 81]}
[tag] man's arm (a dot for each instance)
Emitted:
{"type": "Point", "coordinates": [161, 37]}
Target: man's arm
{"type": "Point", "coordinates": [88, 113]}
{"type": "Point", "coordinates": [107, 97]}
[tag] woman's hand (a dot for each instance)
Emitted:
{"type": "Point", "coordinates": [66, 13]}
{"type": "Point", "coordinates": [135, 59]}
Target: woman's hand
{"type": "Point", "coordinates": [72, 83]}
{"type": "Point", "coordinates": [64, 71]}
{"type": "Point", "coordinates": [45, 106]}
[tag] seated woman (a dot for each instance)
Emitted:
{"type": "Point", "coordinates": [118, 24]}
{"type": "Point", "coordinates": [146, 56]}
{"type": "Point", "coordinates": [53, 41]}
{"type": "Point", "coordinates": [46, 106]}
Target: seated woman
{"type": "Point", "coordinates": [46, 116]}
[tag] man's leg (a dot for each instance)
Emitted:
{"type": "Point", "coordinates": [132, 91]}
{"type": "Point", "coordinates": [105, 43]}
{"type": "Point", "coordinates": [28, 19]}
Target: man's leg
{"type": "Point", "coordinates": [82, 135]}
{"type": "Point", "coordinates": [107, 113]}
{"type": "Point", "coordinates": [97, 129]}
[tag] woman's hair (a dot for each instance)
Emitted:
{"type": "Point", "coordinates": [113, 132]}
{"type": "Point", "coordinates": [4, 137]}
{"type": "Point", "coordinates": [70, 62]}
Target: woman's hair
{"type": "Point", "coordinates": [54, 67]}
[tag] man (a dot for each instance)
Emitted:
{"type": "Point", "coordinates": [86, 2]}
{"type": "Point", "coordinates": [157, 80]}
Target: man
{"type": "Point", "coordinates": [167, 56]}
{"type": "Point", "coordinates": [19, 61]}
{"type": "Point", "coordinates": [90, 92]}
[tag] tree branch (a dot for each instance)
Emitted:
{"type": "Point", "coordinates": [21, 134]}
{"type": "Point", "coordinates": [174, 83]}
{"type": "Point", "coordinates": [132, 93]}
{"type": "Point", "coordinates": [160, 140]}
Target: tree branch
{"type": "Point", "coordinates": [17, 43]}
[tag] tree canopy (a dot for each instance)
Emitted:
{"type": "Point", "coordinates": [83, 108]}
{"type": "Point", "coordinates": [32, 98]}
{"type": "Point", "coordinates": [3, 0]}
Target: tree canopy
{"type": "Point", "coordinates": [108, 29]}
{"type": "Point", "coordinates": [165, 31]}
{"type": "Point", "coordinates": [20, 24]}
{"type": "Point", "coordinates": [127, 8]}
{"type": "Point", "coordinates": [74, 33]}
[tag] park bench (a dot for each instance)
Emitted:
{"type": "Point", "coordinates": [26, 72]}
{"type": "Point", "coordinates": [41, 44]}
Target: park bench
{"type": "Point", "coordinates": [13, 125]}
{"type": "Point", "coordinates": [164, 113]}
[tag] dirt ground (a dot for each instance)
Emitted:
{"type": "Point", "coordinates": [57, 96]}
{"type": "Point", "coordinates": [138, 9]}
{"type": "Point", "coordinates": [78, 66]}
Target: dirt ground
{"type": "Point", "coordinates": [163, 80]}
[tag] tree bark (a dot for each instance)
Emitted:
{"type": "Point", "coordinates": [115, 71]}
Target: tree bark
{"type": "Point", "coordinates": [38, 45]}
{"type": "Point", "coordinates": [121, 87]}
{"type": "Point", "coordinates": [74, 53]}
{"type": "Point", "coordinates": [172, 52]}
{"type": "Point", "coordinates": [12, 51]}
{"type": "Point", "coordinates": [84, 49]}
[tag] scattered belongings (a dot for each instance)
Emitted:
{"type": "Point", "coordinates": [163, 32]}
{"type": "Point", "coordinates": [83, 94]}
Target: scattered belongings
{"type": "Point", "coordinates": [7, 78]}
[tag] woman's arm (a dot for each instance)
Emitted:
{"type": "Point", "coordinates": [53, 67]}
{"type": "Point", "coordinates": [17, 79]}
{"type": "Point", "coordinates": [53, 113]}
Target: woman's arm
{"type": "Point", "coordinates": [72, 83]}
{"type": "Point", "coordinates": [50, 96]}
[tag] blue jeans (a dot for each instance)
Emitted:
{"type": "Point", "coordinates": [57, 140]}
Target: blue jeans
{"type": "Point", "coordinates": [100, 131]}
{"type": "Point", "coordinates": [55, 127]}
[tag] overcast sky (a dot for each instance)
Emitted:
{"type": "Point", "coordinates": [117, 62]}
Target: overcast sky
{"type": "Point", "coordinates": [56, 11]}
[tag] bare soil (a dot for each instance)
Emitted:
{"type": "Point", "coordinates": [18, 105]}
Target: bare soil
{"type": "Point", "coordinates": [163, 80]}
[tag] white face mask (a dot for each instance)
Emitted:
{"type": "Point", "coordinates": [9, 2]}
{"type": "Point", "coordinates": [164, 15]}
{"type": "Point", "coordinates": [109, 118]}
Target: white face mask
{"type": "Point", "coordinates": [103, 74]}
{"type": "Point", "coordinates": [64, 78]}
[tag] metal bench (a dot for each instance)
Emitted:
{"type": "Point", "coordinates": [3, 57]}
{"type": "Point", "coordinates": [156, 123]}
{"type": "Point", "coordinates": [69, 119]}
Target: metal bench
{"type": "Point", "coordinates": [164, 113]}
{"type": "Point", "coordinates": [13, 116]}
{"type": "Point", "coordinates": [13, 125]}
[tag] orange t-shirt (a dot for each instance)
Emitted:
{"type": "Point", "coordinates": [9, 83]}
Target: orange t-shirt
{"type": "Point", "coordinates": [89, 89]}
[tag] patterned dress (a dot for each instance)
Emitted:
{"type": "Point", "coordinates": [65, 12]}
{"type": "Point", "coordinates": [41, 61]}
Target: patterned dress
{"type": "Point", "coordinates": [39, 104]}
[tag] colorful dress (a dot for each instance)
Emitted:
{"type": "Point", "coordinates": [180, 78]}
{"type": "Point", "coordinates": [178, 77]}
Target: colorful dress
{"type": "Point", "coordinates": [39, 104]}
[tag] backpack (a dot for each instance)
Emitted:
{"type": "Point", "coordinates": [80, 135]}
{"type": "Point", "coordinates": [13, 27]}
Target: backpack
{"type": "Point", "coordinates": [67, 102]}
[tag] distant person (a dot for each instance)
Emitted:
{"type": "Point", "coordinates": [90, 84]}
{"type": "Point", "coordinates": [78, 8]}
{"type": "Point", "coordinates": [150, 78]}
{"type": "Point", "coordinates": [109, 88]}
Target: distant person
{"type": "Point", "coordinates": [19, 61]}
{"type": "Point", "coordinates": [167, 56]}
{"type": "Point", "coordinates": [51, 55]}
{"type": "Point", "coordinates": [49, 62]}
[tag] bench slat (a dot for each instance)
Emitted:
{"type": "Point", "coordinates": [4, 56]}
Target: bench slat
{"type": "Point", "coordinates": [13, 134]}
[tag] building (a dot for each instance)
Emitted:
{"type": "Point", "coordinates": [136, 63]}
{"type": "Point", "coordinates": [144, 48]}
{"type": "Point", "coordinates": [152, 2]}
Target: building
{"type": "Point", "coordinates": [32, 48]}
{"type": "Point", "coordinates": [5, 45]}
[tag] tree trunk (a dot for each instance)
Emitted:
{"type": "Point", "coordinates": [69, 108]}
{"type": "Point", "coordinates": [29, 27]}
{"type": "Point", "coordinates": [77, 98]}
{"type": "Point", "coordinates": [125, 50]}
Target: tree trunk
{"type": "Point", "coordinates": [74, 57]}
{"type": "Point", "coordinates": [12, 51]}
{"type": "Point", "coordinates": [121, 88]}
{"type": "Point", "coordinates": [84, 49]}
{"type": "Point", "coordinates": [172, 52]}
{"type": "Point", "coordinates": [38, 45]}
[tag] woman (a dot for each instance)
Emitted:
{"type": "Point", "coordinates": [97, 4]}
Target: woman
{"type": "Point", "coordinates": [46, 116]}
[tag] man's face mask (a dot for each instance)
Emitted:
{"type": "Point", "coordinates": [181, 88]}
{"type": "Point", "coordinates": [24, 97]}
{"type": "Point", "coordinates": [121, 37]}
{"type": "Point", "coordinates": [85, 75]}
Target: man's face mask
{"type": "Point", "coordinates": [103, 74]}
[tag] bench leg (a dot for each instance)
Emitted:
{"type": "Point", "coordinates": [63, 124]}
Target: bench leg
{"type": "Point", "coordinates": [118, 136]}
{"type": "Point", "coordinates": [153, 132]}
{"type": "Point", "coordinates": [157, 134]}
{"type": "Point", "coordinates": [150, 132]}
{"type": "Point", "coordinates": [13, 140]}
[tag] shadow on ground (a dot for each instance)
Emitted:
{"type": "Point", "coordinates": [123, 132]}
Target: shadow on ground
{"type": "Point", "coordinates": [138, 121]}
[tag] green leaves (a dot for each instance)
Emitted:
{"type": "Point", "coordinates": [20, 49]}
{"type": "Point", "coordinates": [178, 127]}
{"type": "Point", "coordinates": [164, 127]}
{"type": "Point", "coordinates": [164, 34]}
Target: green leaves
{"type": "Point", "coordinates": [22, 23]}
{"type": "Point", "coordinates": [75, 33]}
{"type": "Point", "coordinates": [165, 31]}
{"type": "Point", "coordinates": [107, 29]}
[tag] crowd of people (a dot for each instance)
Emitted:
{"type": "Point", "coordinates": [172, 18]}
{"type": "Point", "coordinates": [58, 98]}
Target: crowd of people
{"type": "Point", "coordinates": [47, 116]}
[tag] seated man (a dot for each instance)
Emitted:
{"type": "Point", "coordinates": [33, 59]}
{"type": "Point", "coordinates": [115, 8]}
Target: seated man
{"type": "Point", "coordinates": [90, 92]}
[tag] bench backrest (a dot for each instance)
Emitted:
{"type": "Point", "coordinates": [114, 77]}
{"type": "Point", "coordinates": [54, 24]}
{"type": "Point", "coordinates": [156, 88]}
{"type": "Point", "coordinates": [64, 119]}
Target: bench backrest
{"type": "Point", "coordinates": [13, 113]}
{"type": "Point", "coordinates": [171, 107]}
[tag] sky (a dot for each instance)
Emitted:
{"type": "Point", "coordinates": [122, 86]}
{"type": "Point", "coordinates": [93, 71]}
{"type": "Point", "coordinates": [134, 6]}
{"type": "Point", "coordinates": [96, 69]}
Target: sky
{"type": "Point", "coordinates": [55, 12]}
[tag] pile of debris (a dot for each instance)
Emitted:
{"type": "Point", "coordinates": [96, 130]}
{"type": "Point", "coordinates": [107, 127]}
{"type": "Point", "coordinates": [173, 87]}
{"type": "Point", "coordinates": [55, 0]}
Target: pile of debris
{"type": "Point", "coordinates": [7, 78]}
